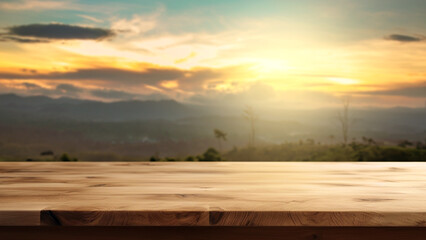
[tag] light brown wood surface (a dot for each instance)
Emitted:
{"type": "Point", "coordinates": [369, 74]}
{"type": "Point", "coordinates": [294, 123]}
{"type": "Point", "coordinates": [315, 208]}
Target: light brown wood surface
{"type": "Point", "coordinates": [213, 194]}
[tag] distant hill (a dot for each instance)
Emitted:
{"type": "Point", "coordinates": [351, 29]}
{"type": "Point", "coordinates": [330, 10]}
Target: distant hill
{"type": "Point", "coordinates": [99, 130]}
{"type": "Point", "coordinates": [83, 110]}
{"type": "Point", "coordinates": [273, 125]}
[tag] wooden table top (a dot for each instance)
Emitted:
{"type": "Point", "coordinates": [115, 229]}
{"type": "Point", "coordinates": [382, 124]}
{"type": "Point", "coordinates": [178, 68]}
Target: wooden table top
{"type": "Point", "coordinates": [212, 194]}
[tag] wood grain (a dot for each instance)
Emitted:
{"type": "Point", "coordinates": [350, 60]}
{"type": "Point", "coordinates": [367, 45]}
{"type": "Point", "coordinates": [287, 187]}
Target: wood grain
{"type": "Point", "coordinates": [123, 218]}
{"type": "Point", "coordinates": [213, 194]}
{"type": "Point", "coordinates": [213, 233]}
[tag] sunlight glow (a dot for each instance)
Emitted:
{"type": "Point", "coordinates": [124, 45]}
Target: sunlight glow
{"type": "Point", "coordinates": [271, 66]}
{"type": "Point", "coordinates": [344, 81]}
{"type": "Point", "coordinates": [170, 84]}
{"type": "Point", "coordinates": [186, 53]}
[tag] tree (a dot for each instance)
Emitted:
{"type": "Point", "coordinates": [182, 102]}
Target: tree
{"type": "Point", "coordinates": [210, 155]}
{"type": "Point", "coordinates": [154, 159]}
{"type": "Point", "coordinates": [220, 136]}
{"type": "Point", "coordinates": [66, 158]}
{"type": "Point", "coordinates": [343, 117]}
{"type": "Point", "coordinates": [190, 159]}
{"type": "Point", "coordinates": [251, 117]}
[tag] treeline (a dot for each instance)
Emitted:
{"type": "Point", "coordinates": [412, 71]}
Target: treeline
{"type": "Point", "coordinates": [325, 153]}
{"type": "Point", "coordinates": [210, 155]}
{"type": "Point", "coordinates": [368, 151]}
{"type": "Point", "coordinates": [307, 150]}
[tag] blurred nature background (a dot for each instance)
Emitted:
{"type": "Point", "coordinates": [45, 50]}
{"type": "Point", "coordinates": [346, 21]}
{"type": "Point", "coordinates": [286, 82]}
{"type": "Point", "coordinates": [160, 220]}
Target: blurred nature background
{"type": "Point", "coordinates": [212, 80]}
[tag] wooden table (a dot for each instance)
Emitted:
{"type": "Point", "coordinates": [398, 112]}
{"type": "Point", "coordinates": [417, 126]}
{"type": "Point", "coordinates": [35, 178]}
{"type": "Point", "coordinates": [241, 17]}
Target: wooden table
{"type": "Point", "coordinates": [218, 200]}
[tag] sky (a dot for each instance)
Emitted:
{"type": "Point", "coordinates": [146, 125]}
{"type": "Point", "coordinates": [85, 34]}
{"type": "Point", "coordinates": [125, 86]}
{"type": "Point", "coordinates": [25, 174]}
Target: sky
{"type": "Point", "coordinates": [294, 54]}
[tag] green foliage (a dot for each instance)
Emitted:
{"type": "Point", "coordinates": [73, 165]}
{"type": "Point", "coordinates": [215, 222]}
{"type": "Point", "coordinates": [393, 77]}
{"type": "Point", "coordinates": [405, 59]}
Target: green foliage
{"type": "Point", "coordinates": [392, 154]}
{"type": "Point", "coordinates": [210, 155]}
{"type": "Point", "coordinates": [219, 134]}
{"type": "Point", "coordinates": [65, 158]}
{"type": "Point", "coordinates": [190, 159]}
{"type": "Point", "coordinates": [154, 159]}
{"type": "Point", "coordinates": [309, 152]}
{"type": "Point", "coordinates": [171, 159]}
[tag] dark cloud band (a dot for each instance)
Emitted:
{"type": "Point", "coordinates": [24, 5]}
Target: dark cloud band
{"type": "Point", "coordinates": [149, 76]}
{"type": "Point", "coordinates": [188, 79]}
{"type": "Point", "coordinates": [63, 90]}
{"type": "Point", "coordinates": [22, 40]}
{"type": "Point", "coordinates": [70, 90]}
{"type": "Point", "coordinates": [34, 33]}
{"type": "Point", "coordinates": [404, 38]}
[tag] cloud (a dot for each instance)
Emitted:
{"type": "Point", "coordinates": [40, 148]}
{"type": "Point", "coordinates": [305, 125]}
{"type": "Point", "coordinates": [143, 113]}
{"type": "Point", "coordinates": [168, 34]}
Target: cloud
{"type": "Point", "coordinates": [68, 88]}
{"type": "Point", "coordinates": [196, 79]}
{"type": "Point", "coordinates": [59, 31]}
{"type": "Point", "coordinates": [187, 79]}
{"type": "Point", "coordinates": [33, 71]}
{"type": "Point", "coordinates": [90, 18]}
{"type": "Point", "coordinates": [418, 91]}
{"type": "Point", "coordinates": [28, 85]}
{"type": "Point", "coordinates": [122, 76]}
{"type": "Point", "coordinates": [22, 40]}
{"type": "Point", "coordinates": [260, 95]}
{"type": "Point", "coordinates": [36, 5]}
{"type": "Point", "coordinates": [31, 88]}
{"type": "Point", "coordinates": [404, 38]}
{"type": "Point", "coordinates": [138, 24]}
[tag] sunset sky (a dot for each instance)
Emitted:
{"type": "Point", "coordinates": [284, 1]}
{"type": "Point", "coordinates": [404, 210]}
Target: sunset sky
{"type": "Point", "coordinates": [282, 53]}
